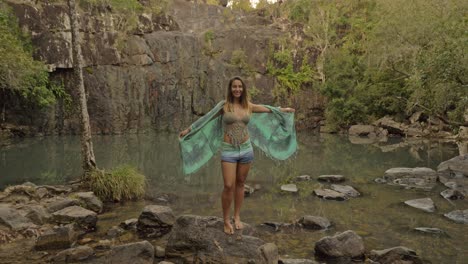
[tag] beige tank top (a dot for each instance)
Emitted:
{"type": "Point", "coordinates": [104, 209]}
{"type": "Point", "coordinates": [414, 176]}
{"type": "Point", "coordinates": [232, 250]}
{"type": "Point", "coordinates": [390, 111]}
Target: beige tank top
{"type": "Point", "coordinates": [235, 127]}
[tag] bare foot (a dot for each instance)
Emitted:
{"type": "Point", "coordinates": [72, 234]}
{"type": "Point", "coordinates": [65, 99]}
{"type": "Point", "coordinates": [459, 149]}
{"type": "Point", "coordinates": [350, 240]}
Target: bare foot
{"type": "Point", "coordinates": [237, 223]}
{"type": "Point", "coordinates": [228, 228]}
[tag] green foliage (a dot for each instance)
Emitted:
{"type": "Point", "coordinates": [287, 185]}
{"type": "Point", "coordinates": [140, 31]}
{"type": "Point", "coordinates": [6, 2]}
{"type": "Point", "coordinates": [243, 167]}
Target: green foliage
{"type": "Point", "coordinates": [18, 70]}
{"type": "Point", "coordinates": [239, 59]}
{"type": "Point", "coordinates": [289, 80]}
{"type": "Point", "coordinates": [209, 36]}
{"type": "Point", "coordinates": [122, 183]}
{"type": "Point", "coordinates": [242, 5]}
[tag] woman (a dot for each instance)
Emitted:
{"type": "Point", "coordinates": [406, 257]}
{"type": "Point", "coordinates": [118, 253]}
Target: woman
{"type": "Point", "coordinates": [237, 152]}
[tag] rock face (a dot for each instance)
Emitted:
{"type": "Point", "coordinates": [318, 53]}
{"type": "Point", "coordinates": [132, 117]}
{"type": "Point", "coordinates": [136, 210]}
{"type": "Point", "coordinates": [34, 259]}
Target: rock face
{"type": "Point", "coordinates": [162, 75]}
{"type": "Point", "coordinates": [346, 245]}
{"type": "Point", "coordinates": [155, 221]}
{"type": "Point", "coordinates": [202, 239]}
{"type": "Point", "coordinates": [421, 178]}
{"type": "Point", "coordinates": [395, 255]}
{"type": "Point", "coordinates": [138, 253]}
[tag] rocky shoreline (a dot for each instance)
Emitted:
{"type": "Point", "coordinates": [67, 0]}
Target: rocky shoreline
{"type": "Point", "coordinates": [53, 224]}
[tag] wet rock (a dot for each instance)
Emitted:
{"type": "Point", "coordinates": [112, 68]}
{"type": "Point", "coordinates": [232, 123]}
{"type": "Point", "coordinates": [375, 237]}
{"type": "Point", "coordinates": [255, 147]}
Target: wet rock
{"type": "Point", "coordinates": [303, 178]}
{"type": "Point", "coordinates": [12, 219]}
{"type": "Point", "coordinates": [289, 188]}
{"type": "Point", "coordinates": [331, 178]}
{"type": "Point", "coordinates": [138, 252]}
{"type": "Point", "coordinates": [155, 221]}
{"type": "Point", "coordinates": [395, 255]}
{"type": "Point", "coordinates": [37, 213]}
{"type": "Point", "coordinates": [346, 245]}
{"type": "Point", "coordinates": [452, 194]}
{"type": "Point", "coordinates": [430, 230]}
{"type": "Point", "coordinates": [56, 238]}
{"type": "Point", "coordinates": [277, 226]}
{"type": "Point", "coordinates": [314, 222]}
{"type": "Point", "coordinates": [115, 231]}
{"type": "Point", "coordinates": [79, 253]}
{"type": "Point", "coordinates": [160, 252]}
{"type": "Point", "coordinates": [297, 261]}
{"type": "Point", "coordinates": [202, 238]}
{"type": "Point", "coordinates": [363, 131]}
{"type": "Point", "coordinates": [56, 204]}
{"type": "Point", "coordinates": [129, 224]}
{"type": "Point", "coordinates": [330, 194]}
{"type": "Point", "coordinates": [459, 216]}
{"type": "Point", "coordinates": [422, 178]}
{"type": "Point", "coordinates": [19, 194]}
{"type": "Point", "coordinates": [455, 171]}
{"type": "Point", "coordinates": [75, 214]}
{"type": "Point", "coordinates": [346, 190]}
{"type": "Point", "coordinates": [248, 190]}
{"type": "Point", "coordinates": [391, 126]}
{"type": "Point", "coordinates": [425, 204]}
{"type": "Point", "coordinates": [57, 189]}
{"type": "Point", "coordinates": [89, 201]}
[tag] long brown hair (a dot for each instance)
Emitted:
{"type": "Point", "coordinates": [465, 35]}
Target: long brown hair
{"type": "Point", "coordinates": [244, 99]}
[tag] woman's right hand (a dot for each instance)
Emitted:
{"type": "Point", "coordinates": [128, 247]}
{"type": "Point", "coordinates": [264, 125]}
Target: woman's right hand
{"type": "Point", "coordinates": [184, 132]}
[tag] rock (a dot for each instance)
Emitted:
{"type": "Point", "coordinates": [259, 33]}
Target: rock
{"type": "Point", "coordinates": [289, 188]}
{"type": "Point", "coordinates": [248, 190]}
{"type": "Point", "coordinates": [57, 189]}
{"type": "Point", "coordinates": [160, 252]}
{"type": "Point", "coordinates": [203, 239]}
{"type": "Point", "coordinates": [76, 254]}
{"type": "Point", "coordinates": [85, 240]}
{"type": "Point", "coordinates": [391, 126]}
{"type": "Point", "coordinates": [453, 194]}
{"type": "Point", "coordinates": [395, 255]}
{"type": "Point", "coordinates": [463, 132]}
{"type": "Point", "coordinates": [90, 201]}
{"type": "Point", "coordinates": [277, 225]}
{"type": "Point", "coordinates": [155, 221]}
{"type": "Point", "coordinates": [129, 224]}
{"type": "Point", "coordinates": [330, 194]}
{"type": "Point", "coordinates": [425, 204]}
{"type": "Point", "coordinates": [297, 261]}
{"type": "Point", "coordinates": [115, 231]}
{"type": "Point", "coordinates": [362, 130]}
{"type": "Point", "coordinates": [37, 213]}
{"type": "Point", "coordinates": [75, 214]}
{"type": "Point", "coordinates": [331, 178]}
{"type": "Point", "coordinates": [418, 117]}
{"type": "Point", "coordinates": [314, 222]}
{"type": "Point", "coordinates": [346, 190]}
{"type": "Point", "coordinates": [430, 230]}
{"type": "Point", "coordinates": [455, 170]}
{"type": "Point", "coordinates": [13, 219]}
{"type": "Point", "coordinates": [302, 178]}
{"type": "Point", "coordinates": [56, 238]}
{"type": "Point", "coordinates": [103, 244]}
{"type": "Point", "coordinates": [56, 204]}
{"type": "Point", "coordinates": [380, 180]}
{"type": "Point", "coordinates": [459, 216]}
{"type": "Point", "coordinates": [421, 178]}
{"type": "Point", "coordinates": [135, 253]}
{"type": "Point", "coordinates": [257, 187]}
{"type": "Point", "coordinates": [345, 245]}
{"type": "Point", "coordinates": [165, 262]}
{"type": "Point", "coordinates": [42, 192]}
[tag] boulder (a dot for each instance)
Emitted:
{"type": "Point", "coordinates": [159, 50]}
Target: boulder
{"type": "Point", "coordinates": [363, 131]}
{"type": "Point", "coordinates": [155, 221]}
{"type": "Point", "coordinates": [425, 204]}
{"type": "Point", "coordinates": [328, 194]}
{"type": "Point", "coordinates": [391, 126]}
{"type": "Point", "coordinates": [314, 222]}
{"type": "Point", "coordinates": [453, 194]}
{"type": "Point", "coordinates": [202, 239]}
{"type": "Point", "coordinates": [115, 231]}
{"type": "Point", "coordinates": [459, 216]}
{"type": "Point", "coordinates": [346, 190]}
{"type": "Point", "coordinates": [89, 201]}
{"type": "Point", "coordinates": [454, 173]}
{"type": "Point", "coordinates": [12, 219]}
{"type": "Point", "coordinates": [76, 254]}
{"type": "Point", "coordinates": [56, 238]}
{"type": "Point", "coordinates": [75, 214]}
{"type": "Point", "coordinates": [347, 245]}
{"type": "Point", "coordinates": [135, 253]}
{"type": "Point", "coordinates": [420, 178]}
{"type": "Point", "coordinates": [395, 255]}
{"type": "Point", "coordinates": [37, 213]}
{"type": "Point", "coordinates": [58, 203]}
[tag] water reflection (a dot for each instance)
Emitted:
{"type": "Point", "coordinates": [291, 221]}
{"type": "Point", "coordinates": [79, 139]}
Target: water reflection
{"type": "Point", "coordinates": [378, 216]}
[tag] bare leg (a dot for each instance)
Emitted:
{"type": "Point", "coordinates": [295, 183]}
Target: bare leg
{"type": "Point", "coordinates": [242, 171]}
{"type": "Point", "coordinates": [229, 176]}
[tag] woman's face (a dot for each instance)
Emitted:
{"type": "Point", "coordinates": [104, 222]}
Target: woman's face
{"type": "Point", "coordinates": [237, 89]}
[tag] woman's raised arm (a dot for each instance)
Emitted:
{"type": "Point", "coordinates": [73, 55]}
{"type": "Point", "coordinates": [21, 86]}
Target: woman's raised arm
{"type": "Point", "coordinates": [262, 109]}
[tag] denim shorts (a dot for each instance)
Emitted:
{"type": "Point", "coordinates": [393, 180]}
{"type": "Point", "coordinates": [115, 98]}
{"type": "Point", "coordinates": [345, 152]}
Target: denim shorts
{"type": "Point", "coordinates": [237, 154]}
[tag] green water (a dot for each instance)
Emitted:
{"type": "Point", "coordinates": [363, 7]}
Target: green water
{"type": "Point", "coordinates": [378, 216]}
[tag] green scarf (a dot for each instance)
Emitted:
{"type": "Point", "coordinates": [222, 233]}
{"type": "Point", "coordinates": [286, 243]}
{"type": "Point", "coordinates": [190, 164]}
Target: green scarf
{"type": "Point", "coordinates": [273, 133]}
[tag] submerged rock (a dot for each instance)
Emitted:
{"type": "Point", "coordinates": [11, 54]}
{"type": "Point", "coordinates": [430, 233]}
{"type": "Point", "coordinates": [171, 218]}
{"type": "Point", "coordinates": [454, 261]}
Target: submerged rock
{"type": "Point", "coordinates": [395, 255]}
{"type": "Point", "coordinates": [452, 194]}
{"type": "Point", "coordinates": [330, 194]}
{"type": "Point", "coordinates": [421, 178]}
{"type": "Point", "coordinates": [289, 188]}
{"type": "Point", "coordinates": [346, 190]}
{"type": "Point", "coordinates": [346, 245]}
{"type": "Point", "coordinates": [425, 204]}
{"type": "Point", "coordinates": [459, 216]}
{"type": "Point", "coordinates": [430, 230]}
{"type": "Point", "coordinates": [203, 239]}
{"type": "Point", "coordinates": [129, 224]}
{"type": "Point", "coordinates": [248, 190]}
{"type": "Point", "coordinates": [135, 253]}
{"type": "Point", "coordinates": [155, 221]}
{"type": "Point", "coordinates": [314, 222]}
{"type": "Point", "coordinates": [303, 178]}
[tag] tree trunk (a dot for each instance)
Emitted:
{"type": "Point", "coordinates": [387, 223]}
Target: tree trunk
{"type": "Point", "coordinates": [87, 153]}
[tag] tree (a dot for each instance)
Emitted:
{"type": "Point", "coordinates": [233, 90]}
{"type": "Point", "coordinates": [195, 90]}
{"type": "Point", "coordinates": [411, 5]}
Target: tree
{"type": "Point", "coordinates": [87, 152]}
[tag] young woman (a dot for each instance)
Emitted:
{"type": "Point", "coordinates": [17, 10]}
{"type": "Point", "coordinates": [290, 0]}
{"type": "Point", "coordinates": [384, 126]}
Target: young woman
{"type": "Point", "coordinates": [237, 153]}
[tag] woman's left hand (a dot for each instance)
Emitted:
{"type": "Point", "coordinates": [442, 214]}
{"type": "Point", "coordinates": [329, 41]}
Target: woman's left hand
{"type": "Point", "coordinates": [288, 110]}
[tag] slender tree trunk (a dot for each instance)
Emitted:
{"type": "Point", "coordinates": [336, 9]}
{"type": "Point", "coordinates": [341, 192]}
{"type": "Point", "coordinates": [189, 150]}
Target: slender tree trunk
{"type": "Point", "coordinates": [87, 153]}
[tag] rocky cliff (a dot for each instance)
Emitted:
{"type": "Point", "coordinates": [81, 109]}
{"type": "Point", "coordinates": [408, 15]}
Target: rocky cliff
{"type": "Point", "coordinates": [162, 75]}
